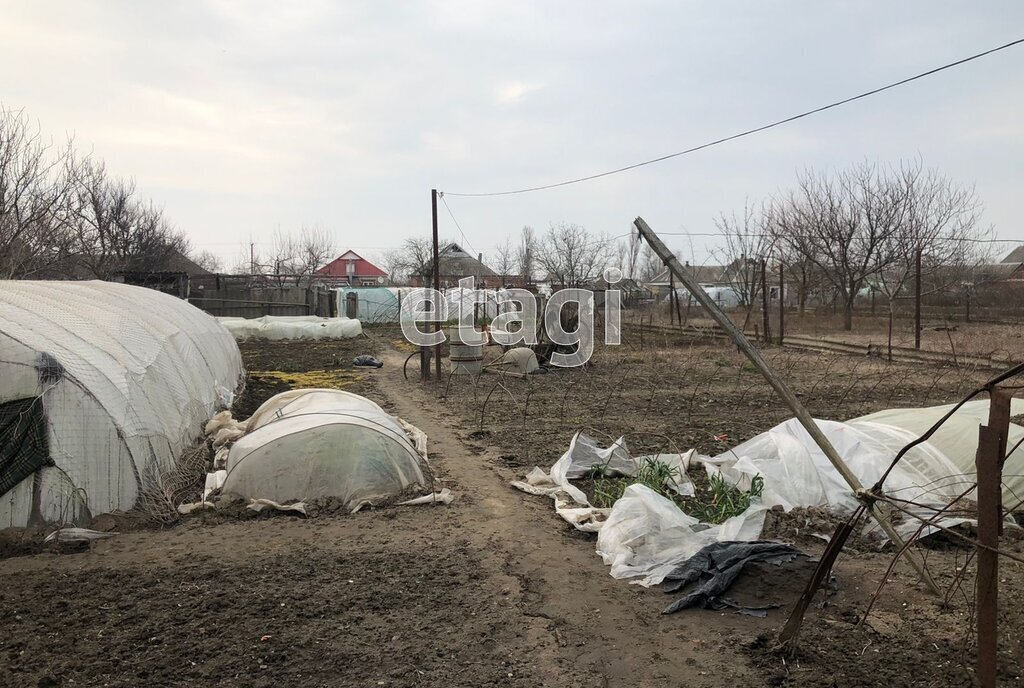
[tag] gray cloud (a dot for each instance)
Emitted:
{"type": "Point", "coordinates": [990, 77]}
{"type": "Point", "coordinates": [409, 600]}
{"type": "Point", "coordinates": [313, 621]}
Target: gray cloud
{"type": "Point", "coordinates": [243, 116]}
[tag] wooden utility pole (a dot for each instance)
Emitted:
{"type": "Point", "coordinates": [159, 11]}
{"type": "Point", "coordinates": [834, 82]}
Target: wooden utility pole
{"type": "Point", "coordinates": [437, 283]}
{"type": "Point", "coordinates": [917, 300]}
{"type": "Point", "coordinates": [782, 302]}
{"type": "Point", "coordinates": [992, 440]}
{"type": "Point", "coordinates": [786, 394]}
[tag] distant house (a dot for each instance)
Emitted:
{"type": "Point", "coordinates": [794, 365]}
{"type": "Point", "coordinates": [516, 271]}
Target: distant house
{"type": "Point", "coordinates": [705, 275]}
{"type": "Point", "coordinates": [631, 292]}
{"type": "Point", "coordinates": [353, 270]}
{"type": "Point", "coordinates": [1010, 270]}
{"type": "Point", "coordinates": [455, 264]}
{"type": "Point", "coordinates": [1016, 262]}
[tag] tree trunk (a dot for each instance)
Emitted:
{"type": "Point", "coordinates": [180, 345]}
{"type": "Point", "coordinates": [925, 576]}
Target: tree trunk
{"type": "Point", "coordinates": [848, 314]}
{"type": "Point", "coordinates": [892, 315]}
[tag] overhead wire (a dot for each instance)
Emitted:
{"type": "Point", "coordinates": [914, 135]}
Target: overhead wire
{"type": "Point", "coordinates": [748, 132]}
{"type": "Point", "coordinates": [457, 225]}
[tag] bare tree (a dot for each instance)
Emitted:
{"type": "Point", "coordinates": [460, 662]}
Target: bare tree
{"type": "Point", "coordinates": [843, 225]}
{"type": "Point", "coordinates": [114, 231]}
{"type": "Point", "coordinates": [526, 253]}
{"type": "Point", "coordinates": [208, 260]}
{"type": "Point", "coordinates": [415, 259]}
{"type": "Point", "coordinates": [649, 265]}
{"type": "Point", "coordinates": [295, 256]}
{"type": "Point", "coordinates": [628, 254]}
{"type": "Point", "coordinates": [802, 275]}
{"type": "Point", "coordinates": [35, 183]}
{"type": "Point", "coordinates": [745, 243]}
{"type": "Point", "coordinates": [315, 249]}
{"type": "Point", "coordinates": [504, 259]}
{"type": "Point", "coordinates": [572, 257]}
{"type": "Point", "coordinates": [940, 225]}
{"type": "Point", "coordinates": [395, 264]}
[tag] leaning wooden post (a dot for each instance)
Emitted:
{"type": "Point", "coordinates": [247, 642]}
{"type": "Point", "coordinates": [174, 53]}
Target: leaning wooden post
{"type": "Point", "coordinates": [992, 439]}
{"type": "Point", "coordinates": [788, 397]}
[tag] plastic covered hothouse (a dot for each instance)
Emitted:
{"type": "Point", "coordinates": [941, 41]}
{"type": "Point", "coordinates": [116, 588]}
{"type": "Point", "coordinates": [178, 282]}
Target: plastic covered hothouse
{"type": "Point", "coordinates": [310, 443]}
{"type": "Point", "coordinates": [104, 386]}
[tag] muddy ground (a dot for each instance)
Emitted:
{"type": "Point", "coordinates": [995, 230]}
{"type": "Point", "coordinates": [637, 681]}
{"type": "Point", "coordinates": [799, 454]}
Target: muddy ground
{"type": "Point", "coordinates": [494, 589]}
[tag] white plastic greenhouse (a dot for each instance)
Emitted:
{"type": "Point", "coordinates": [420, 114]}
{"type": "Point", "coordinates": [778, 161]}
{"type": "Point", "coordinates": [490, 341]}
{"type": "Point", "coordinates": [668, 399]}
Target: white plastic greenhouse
{"type": "Point", "coordinates": [104, 386]}
{"type": "Point", "coordinates": [310, 443]}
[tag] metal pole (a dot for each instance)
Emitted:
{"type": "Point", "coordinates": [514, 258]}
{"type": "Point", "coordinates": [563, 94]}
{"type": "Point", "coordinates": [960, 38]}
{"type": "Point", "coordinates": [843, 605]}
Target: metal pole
{"type": "Point", "coordinates": [437, 280]}
{"type": "Point", "coordinates": [785, 393]}
{"type": "Point", "coordinates": [671, 299]}
{"type": "Point", "coordinates": [782, 302]}
{"type": "Point", "coordinates": [764, 302]}
{"type": "Point", "coordinates": [991, 450]}
{"type": "Point", "coordinates": [917, 301]}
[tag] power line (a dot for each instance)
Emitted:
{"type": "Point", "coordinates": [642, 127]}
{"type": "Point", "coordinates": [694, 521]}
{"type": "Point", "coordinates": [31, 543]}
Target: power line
{"type": "Point", "coordinates": [754, 236]}
{"type": "Point", "coordinates": [457, 225]}
{"type": "Point", "coordinates": [748, 132]}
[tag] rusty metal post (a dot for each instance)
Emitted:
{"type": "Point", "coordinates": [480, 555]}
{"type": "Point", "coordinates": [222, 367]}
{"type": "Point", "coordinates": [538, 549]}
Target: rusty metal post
{"type": "Point", "coordinates": [764, 302]}
{"type": "Point", "coordinates": [917, 300]}
{"type": "Point", "coordinates": [782, 302]}
{"type": "Point", "coordinates": [671, 298]}
{"type": "Point", "coordinates": [992, 440]}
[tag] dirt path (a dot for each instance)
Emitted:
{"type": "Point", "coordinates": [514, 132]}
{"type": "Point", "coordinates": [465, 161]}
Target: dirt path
{"type": "Point", "coordinates": [491, 590]}
{"type": "Point", "coordinates": [586, 623]}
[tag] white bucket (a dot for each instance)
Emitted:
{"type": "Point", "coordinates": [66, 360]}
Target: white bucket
{"type": "Point", "coordinates": [466, 360]}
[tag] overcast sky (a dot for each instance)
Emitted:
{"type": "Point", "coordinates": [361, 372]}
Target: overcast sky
{"type": "Point", "coordinates": [242, 116]}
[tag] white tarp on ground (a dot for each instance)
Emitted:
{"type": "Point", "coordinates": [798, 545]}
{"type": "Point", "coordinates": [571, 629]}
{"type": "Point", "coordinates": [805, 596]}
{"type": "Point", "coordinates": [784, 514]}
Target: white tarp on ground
{"type": "Point", "coordinates": [126, 377]}
{"type": "Point", "coordinates": [645, 534]}
{"type": "Point", "coordinates": [521, 361]}
{"type": "Point", "coordinates": [310, 443]}
{"type": "Point", "coordinates": [583, 455]}
{"type": "Point", "coordinates": [272, 327]}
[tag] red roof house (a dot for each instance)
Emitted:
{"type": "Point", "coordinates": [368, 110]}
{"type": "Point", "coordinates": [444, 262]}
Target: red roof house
{"type": "Point", "coordinates": [352, 269]}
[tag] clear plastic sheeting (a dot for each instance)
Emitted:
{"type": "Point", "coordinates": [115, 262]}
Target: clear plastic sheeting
{"type": "Point", "coordinates": [373, 304]}
{"type": "Point", "coordinates": [797, 473]}
{"type": "Point", "coordinates": [275, 328]}
{"type": "Point", "coordinates": [647, 535]}
{"type": "Point", "coordinates": [127, 377]}
{"type": "Point", "coordinates": [958, 439]}
{"type": "Point", "coordinates": [582, 457]}
{"type": "Point", "coordinates": [311, 443]}
{"type": "Point", "coordinates": [644, 535]}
